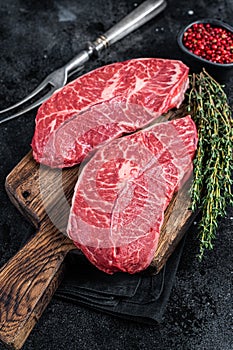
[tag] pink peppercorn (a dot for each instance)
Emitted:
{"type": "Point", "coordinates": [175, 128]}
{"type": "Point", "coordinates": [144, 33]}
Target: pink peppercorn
{"type": "Point", "coordinates": [210, 42]}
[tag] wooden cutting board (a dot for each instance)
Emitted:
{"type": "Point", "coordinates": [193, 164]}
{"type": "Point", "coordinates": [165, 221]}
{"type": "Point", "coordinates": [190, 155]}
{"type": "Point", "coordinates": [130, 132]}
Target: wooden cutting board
{"type": "Point", "coordinates": [30, 278]}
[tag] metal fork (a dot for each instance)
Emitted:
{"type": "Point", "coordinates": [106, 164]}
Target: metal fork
{"type": "Point", "coordinates": [142, 14]}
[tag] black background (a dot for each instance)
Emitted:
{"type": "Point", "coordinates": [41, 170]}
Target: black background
{"type": "Point", "coordinates": [39, 36]}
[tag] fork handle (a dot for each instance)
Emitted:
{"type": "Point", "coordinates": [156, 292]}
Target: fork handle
{"type": "Point", "coordinates": [142, 14]}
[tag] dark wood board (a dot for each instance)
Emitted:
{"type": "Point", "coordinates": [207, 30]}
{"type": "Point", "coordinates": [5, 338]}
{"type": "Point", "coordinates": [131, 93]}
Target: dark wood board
{"type": "Point", "coordinates": [31, 277]}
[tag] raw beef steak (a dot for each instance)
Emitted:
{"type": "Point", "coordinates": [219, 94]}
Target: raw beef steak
{"type": "Point", "coordinates": [121, 195]}
{"type": "Point", "coordinates": [104, 104]}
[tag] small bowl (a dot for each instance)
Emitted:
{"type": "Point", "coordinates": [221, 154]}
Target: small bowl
{"type": "Point", "coordinates": [220, 71]}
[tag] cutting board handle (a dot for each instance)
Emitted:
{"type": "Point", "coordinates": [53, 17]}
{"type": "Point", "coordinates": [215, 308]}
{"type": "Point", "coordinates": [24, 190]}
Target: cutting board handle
{"type": "Point", "coordinates": [28, 281]}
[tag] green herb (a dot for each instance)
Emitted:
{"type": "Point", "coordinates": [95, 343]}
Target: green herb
{"type": "Point", "coordinates": [213, 164]}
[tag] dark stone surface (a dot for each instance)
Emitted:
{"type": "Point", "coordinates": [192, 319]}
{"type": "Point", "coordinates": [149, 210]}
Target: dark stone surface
{"type": "Point", "coordinates": [35, 38]}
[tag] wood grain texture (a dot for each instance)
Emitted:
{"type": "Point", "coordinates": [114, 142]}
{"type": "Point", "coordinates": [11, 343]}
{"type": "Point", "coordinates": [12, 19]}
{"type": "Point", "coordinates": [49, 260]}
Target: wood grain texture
{"type": "Point", "coordinates": [28, 282]}
{"type": "Point", "coordinates": [178, 217]}
{"type": "Point", "coordinates": [29, 279]}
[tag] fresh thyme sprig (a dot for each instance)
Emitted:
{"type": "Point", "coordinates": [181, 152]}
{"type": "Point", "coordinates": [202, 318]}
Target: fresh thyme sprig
{"type": "Point", "coordinates": [213, 163]}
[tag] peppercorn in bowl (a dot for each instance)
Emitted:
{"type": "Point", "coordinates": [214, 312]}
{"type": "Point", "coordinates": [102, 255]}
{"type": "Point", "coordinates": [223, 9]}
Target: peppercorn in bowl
{"type": "Point", "coordinates": [208, 43]}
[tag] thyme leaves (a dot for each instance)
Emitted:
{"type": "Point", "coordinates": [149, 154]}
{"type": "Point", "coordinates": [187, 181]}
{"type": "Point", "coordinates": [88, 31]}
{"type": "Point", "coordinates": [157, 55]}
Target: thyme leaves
{"type": "Point", "coordinates": [213, 164]}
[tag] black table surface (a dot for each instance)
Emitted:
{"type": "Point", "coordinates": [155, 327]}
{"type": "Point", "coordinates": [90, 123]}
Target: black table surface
{"type": "Point", "coordinates": [39, 36]}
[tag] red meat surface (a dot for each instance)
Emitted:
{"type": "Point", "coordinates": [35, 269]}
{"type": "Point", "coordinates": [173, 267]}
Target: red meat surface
{"type": "Point", "coordinates": [104, 104]}
{"type": "Point", "coordinates": [121, 195]}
